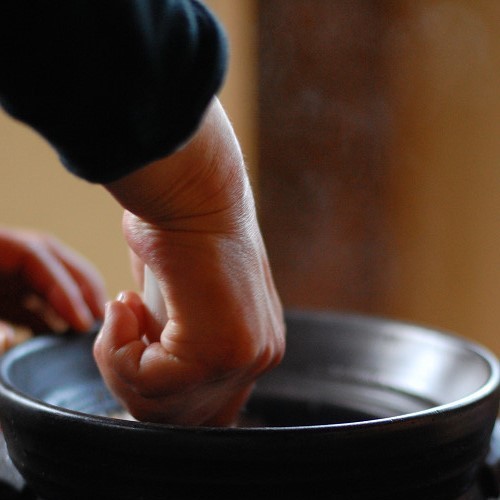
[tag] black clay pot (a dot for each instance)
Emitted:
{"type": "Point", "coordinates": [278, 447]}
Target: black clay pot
{"type": "Point", "coordinates": [360, 408]}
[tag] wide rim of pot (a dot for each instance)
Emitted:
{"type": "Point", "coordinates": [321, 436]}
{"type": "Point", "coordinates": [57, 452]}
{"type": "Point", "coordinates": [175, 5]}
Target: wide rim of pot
{"type": "Point", "coordinates": [489, 389]}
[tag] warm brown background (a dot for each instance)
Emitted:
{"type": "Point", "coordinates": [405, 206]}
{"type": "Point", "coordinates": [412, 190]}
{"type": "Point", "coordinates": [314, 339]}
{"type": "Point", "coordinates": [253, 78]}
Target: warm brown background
{"type": "Point", "coordinates": [372, 132]}
{"type": "Point", "coordinates": [380, 158]}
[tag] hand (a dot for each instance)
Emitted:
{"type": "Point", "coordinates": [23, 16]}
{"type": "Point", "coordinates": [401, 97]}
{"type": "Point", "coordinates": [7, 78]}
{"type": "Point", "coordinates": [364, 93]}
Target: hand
{"type": "Point", "coordinates": [45, 286]}
{"type": "Point", "coordinates": [191, 218]}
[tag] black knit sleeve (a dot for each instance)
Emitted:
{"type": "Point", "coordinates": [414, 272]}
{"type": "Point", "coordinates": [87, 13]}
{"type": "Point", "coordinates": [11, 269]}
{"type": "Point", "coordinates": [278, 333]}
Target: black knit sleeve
{"type": "Point", "coordinates": [111, 84]}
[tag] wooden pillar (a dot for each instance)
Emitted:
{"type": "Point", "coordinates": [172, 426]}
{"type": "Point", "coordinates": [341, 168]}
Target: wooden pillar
{"type": "Point", "coordinates": [324, 131]}
{"type": "Point", "coordinates": [379, 158]}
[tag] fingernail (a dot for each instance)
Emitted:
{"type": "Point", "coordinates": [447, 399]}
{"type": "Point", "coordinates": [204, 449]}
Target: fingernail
{"type": "Point", "coordinates": [120, 297]}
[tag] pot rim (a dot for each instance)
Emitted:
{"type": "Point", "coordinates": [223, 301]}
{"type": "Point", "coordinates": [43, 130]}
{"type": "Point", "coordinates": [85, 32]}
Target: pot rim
{"type": "Point", "coordinates": [490, 388]}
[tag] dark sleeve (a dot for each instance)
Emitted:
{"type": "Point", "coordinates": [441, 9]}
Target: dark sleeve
{"type": "Point", "coordinates": [111, 84]}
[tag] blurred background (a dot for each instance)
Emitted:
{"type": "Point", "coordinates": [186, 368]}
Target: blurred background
{"type": "Point", "coordinates": [371, 131]}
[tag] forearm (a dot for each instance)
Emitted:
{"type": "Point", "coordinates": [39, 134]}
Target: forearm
{"type": "Point", "coordinates": [198, 183]}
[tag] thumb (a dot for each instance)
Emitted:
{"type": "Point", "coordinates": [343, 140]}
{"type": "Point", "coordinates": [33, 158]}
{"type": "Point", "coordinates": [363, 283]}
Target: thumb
{"type": "Point", "coordinates": [120, 343]}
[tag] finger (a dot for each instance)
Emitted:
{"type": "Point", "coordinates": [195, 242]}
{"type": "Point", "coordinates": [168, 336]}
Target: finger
{"type": "Point", "coordinates": [7, 337]}
{"type": "Point", "coordinates": [119, 341]}
{"type": "Point", "coordinates": [51, 279]}
{"type": "Point", "coordinates": [123, 355]}
{"type": "Point", "coordinates": [126, 321]}
{"type": "Point", "coordinates": [85, 275]}
{"type": "Point", "coordinates": [40, 317]}
{"type": "Point", "coordinates": [48, 269]}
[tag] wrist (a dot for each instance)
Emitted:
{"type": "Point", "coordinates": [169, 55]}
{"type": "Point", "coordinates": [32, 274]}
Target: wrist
{"type": "Point", "coordinates": [206, 177]}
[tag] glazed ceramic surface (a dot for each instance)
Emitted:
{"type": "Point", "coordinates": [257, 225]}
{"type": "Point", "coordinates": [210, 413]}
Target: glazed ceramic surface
{"type": "Point", "coordinates": [361, 407]}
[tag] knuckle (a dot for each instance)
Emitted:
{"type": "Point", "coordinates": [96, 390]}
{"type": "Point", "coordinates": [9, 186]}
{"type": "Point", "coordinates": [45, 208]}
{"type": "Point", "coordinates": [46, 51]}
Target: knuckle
{"type": "Point", "coordinates": [257, 353]}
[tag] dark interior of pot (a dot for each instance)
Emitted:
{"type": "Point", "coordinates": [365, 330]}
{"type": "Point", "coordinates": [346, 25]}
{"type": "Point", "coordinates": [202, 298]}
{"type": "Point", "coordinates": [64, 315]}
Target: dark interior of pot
{"type": "Point", "coordinates": [352, 368]}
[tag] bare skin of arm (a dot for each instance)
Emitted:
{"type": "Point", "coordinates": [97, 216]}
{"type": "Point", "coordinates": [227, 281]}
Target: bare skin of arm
{"type": "Point", "coordinates": [191, 218]}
